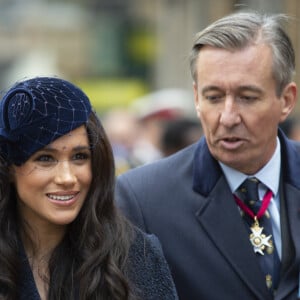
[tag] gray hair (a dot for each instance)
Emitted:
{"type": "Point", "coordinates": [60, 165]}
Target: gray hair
{"type": "Point", "coordinates": [241, 29]}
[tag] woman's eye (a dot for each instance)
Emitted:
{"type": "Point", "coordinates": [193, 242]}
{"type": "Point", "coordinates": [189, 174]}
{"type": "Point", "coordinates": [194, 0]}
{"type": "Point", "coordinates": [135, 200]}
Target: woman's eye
{"type": "Point", "coordinates": [81, 156]}
{"type": "Point", "coordinates": [45, 159]}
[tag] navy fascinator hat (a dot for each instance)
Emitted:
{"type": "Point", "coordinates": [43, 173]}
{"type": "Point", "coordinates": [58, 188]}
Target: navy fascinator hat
{"type": "Point", "coordinates": [35, 112]}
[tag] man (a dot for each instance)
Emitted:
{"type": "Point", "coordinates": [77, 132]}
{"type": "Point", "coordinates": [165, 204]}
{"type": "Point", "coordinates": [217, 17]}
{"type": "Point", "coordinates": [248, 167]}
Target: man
{"type": "Point", "coordinates": [242, 67]}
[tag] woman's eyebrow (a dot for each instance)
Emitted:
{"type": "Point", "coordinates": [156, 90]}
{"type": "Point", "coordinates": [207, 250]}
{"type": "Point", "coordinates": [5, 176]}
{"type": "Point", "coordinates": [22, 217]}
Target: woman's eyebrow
{"type": "Point", "coordinates": [52, 149]}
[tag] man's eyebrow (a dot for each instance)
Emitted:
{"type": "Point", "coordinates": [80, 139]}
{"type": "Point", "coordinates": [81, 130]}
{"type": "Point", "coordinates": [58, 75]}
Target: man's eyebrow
{"type": "Point", "coordinates": [251, 88]}
{"type": "Point", "coordinates": [210, 88]}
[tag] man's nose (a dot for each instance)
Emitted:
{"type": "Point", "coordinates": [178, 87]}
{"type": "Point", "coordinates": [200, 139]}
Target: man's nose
{"type": "Point", "coordinates": [230, 114]}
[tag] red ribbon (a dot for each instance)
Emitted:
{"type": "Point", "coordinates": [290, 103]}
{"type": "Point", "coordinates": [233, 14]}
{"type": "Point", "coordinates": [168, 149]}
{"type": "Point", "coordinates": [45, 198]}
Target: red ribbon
{"type": "Point", "coordinates": [264, 205]}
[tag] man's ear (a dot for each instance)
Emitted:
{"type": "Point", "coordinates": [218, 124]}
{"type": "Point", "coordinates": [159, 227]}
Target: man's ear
{"type": "Point", "coordinates": [196, 98]}
{"type": "Point", "coordinates": [288, 100]}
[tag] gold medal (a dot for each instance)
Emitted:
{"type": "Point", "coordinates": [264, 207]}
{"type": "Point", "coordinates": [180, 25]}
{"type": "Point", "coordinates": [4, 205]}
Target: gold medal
{"type": "Point", "coordinates": [259, 241]}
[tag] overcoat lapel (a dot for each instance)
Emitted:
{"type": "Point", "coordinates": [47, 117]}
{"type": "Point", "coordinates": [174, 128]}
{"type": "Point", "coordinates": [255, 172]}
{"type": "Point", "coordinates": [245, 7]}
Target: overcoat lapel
{"type": "Point", "coordinates": [290, 276]}
{"type": "Point", "coordinates": [293, 207]}
{"type": "Point", "coordinates": [290, 162]}
{"type": "Point", "coordinates": [291, 180]}
{"type": "Point", "coordinates": [222, 222]}
{"type": "Point", "coordinates": [215, 192]}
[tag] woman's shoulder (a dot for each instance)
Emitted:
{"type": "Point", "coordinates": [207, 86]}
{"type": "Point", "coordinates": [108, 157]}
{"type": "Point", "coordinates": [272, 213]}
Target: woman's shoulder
{"type": "Point", "coordinates": [148, 269]}
{"type": "Point", "coordinates": [145, 243]}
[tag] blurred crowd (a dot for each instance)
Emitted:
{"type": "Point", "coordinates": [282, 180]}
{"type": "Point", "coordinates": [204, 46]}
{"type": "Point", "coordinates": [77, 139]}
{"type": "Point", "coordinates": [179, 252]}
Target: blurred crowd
{"type": "Point", "coordinates": [158, 125]}
{"type": "Point", "coordinates": [152, 127]}
{"type": "Point", "coordinates": [291, 128]}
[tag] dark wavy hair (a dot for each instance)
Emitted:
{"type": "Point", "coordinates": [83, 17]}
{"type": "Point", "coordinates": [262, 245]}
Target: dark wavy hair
{"type": "Point", "coordinates": [90, 262]}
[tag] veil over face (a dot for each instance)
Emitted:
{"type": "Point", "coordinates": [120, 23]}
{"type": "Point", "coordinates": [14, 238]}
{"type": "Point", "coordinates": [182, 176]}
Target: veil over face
{"type": "Point", "coordinates": [35, 112]}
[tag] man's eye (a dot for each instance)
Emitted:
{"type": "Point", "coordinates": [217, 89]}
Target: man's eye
{"type": "Point", "coordinates": [213, 98]}
{"type": "Point", "coordinates": [248, 98]}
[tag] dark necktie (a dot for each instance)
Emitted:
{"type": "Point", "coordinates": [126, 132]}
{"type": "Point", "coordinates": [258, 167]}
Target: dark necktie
{"type": "Point", "coordinates": [261, 235]}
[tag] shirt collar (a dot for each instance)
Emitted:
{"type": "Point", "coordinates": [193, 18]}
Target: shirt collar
{"type": "Point", "coordinates": [269, 175]}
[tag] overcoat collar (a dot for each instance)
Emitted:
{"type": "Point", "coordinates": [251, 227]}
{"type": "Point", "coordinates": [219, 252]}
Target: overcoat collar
{"type": "Point", "coordinates": [216, 210]}
{"type": "Point", "coordinates": [204, 163]}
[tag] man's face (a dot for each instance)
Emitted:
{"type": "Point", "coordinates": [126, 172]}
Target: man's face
{"type": "Point", "coordinates": [236, 101]}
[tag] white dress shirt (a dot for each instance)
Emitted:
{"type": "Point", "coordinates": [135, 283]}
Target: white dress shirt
{"type": "Point", "coordinates": [269, 176]}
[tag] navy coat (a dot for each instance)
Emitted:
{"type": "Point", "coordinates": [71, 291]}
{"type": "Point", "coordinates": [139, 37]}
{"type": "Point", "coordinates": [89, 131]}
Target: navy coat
{"type": "Point", "coordinates": [147, 270]}
{"type": "Point", "coordinates": [186, 202]}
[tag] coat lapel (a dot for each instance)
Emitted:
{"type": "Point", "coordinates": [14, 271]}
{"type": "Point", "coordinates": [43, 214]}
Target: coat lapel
{"type": "Point", "coordinates": [232, 232]}
{"type": "Point", "coordinates": [222, 222]}
{"type": "Point", "coordinates": [290, 163]}
{"type": "Point", "coordinates": [293, 207]}
{"type": "Point", "coordinates": [290, 276]}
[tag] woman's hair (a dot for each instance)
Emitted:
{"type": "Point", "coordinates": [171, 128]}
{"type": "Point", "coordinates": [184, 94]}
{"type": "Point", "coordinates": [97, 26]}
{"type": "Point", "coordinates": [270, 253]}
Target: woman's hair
{"type": "Point", "coordinates": [242, 29]}
{"type": "Point", "coordinates": [90, 261]}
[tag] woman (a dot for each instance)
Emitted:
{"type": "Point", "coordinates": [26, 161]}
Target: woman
{"type": "Point", "coordinates": [60, 234]}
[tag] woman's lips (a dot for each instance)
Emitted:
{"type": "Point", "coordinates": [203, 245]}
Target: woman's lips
{"type": "Point", "coordinates": [63, 198]}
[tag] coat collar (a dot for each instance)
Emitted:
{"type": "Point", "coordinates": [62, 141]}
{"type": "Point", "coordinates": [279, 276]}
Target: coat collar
{"type": "Point", "coordinates": [209, 182]}
{"type": "Point", "coordinates": [204, 161]}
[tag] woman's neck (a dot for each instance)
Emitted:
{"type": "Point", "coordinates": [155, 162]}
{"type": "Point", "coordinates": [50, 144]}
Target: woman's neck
{"type": "Point", "coordinates": [39, 243]}
{"type": "Point", "coordinates": [40, 239]}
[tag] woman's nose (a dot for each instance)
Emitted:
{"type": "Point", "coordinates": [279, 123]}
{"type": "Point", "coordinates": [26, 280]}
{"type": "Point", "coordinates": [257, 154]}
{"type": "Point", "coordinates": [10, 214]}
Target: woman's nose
{"type": "Point", "coordinates": [64, 173]}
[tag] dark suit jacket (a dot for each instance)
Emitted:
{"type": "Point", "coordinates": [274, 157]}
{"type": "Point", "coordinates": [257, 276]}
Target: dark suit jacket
{"type": "Point", "coordinates": [185, 200]}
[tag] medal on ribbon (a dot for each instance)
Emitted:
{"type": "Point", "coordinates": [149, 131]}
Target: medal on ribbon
{"type": "Point", "coordinates": [258, 239]}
